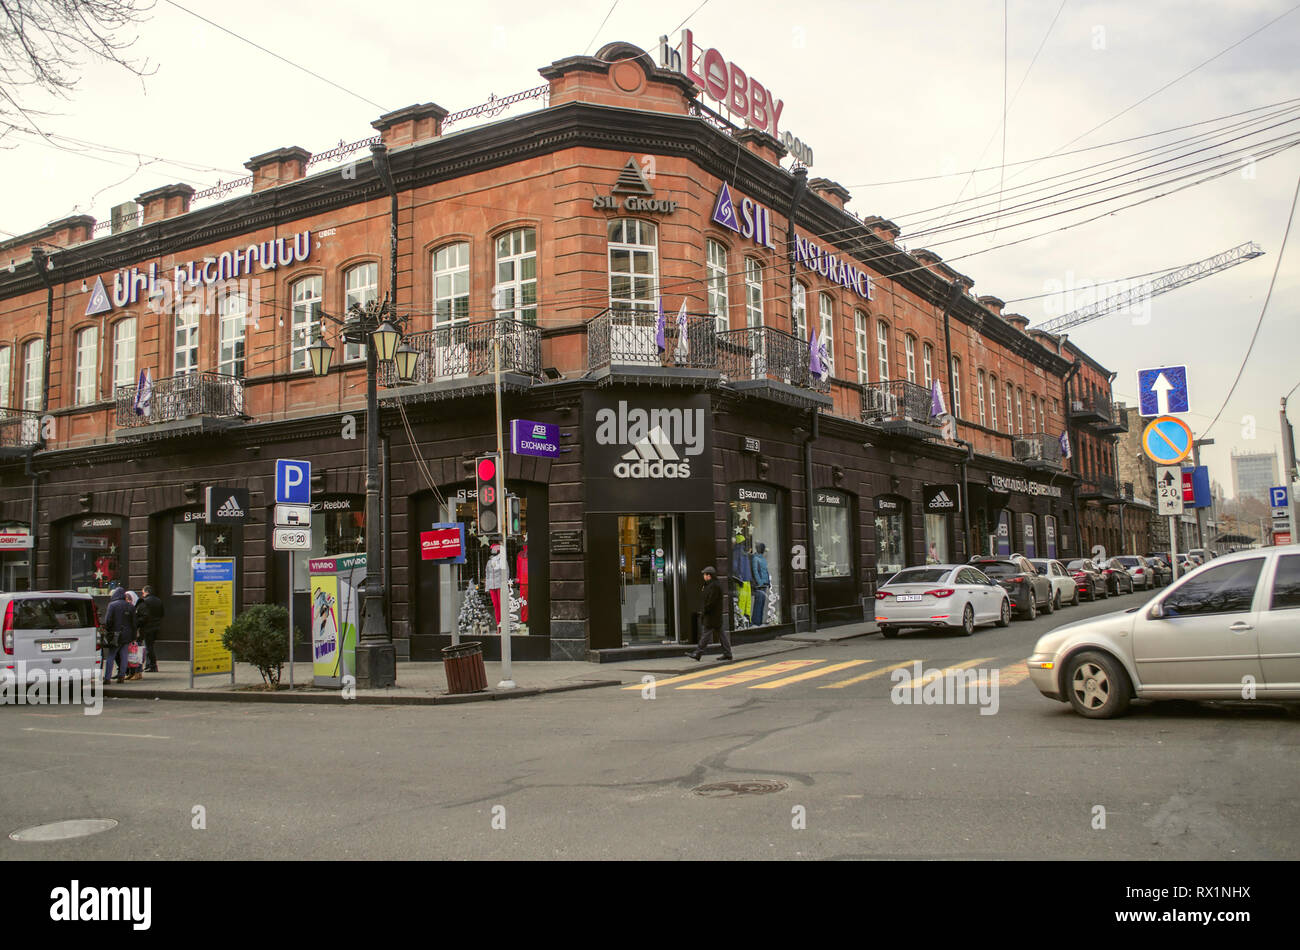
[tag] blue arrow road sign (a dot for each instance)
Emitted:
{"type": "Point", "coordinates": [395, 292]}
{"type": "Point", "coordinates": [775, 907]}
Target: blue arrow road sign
{"type": "Point", "coordinates": [292, 482]}
{"type": "Point", "coordinates": [1162, 390]}
{"type": "Point", "coordinates": [1167, 441]}
{"type": "Point", "coordinates": [1277, 495]}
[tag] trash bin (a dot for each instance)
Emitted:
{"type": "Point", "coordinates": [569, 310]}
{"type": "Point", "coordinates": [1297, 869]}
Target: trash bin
{"type": "Point", "coordinates": [464, 667]}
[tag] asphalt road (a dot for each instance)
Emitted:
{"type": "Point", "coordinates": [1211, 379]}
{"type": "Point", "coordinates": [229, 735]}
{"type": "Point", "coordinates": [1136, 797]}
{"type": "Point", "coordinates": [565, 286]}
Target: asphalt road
{"type": "Point", "coordinates": [612, 773]}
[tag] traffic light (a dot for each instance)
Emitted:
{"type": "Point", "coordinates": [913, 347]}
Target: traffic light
{"type": "Point", "coordinates": [514, 516]}
{"type": "Point", "coordinates": [485, 476]}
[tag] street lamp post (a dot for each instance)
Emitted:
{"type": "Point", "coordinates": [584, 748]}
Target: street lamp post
{"type": "Point", "coordinates": [376, 655]}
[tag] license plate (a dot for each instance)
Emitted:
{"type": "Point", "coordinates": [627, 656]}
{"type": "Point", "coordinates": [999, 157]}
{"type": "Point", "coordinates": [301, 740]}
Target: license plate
{"type": "Point", "coordinates": [904, 598]}
{"type": "Point", "coordinates": [55, 645]}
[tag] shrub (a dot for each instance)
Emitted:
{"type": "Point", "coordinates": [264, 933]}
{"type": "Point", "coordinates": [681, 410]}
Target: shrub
{"type": "Point", "coordinates": [259, 636]}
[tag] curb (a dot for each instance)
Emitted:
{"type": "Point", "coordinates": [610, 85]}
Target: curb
{"type": "Point", "coordinates": [306, 698]}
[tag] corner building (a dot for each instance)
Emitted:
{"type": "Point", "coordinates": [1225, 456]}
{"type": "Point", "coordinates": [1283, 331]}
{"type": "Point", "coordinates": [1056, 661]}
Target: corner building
{"type": "Point", "coordinates": [554, 234]}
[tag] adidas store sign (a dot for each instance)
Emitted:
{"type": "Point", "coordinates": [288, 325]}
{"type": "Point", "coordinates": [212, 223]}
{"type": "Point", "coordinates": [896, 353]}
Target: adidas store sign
{"type": "Point", "coordinates": [660, 442]}
{"type": "Point", "coordinates": [225, 505]}
{"type": "Point", "coordinates": [942, 499]}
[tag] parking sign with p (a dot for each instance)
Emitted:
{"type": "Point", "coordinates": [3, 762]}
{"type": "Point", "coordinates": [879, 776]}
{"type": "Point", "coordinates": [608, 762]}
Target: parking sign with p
{"type": "Point", "coordinates": [292, 482]}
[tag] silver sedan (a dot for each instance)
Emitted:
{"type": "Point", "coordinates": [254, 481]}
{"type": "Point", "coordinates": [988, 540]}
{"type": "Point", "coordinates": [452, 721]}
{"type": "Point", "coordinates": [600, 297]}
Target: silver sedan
{"type": "Point", "coordinates": [941, 595]}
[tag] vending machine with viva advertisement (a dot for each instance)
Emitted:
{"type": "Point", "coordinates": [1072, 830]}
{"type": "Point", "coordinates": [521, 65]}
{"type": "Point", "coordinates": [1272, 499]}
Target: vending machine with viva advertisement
{"type": "Point", "coordinates": [335, 617]}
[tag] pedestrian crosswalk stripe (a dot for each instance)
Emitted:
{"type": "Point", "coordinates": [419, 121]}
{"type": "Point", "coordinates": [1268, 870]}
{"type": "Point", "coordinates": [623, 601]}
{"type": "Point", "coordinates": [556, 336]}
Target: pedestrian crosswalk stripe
{"type": "Point", "coordinates": [1011, 675]}
{"type": "Point", "coordinates": [690, 676]}
{"type": "Point", "coordinates": [785, 666]}
{"type": "Point", "coordinates": [866, 676]}
{"type": "Point", "coordinates": [810, 674]}
{"type": "Point", "coordinates": [931, 675]}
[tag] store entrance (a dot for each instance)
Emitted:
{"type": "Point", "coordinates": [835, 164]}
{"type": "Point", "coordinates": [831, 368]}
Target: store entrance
{"type": "Point", "coordinates": [649, 575]}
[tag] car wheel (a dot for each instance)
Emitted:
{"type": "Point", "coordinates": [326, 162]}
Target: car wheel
{"type": "Point", "coordinates": [1097, 685]}
{"type": "Point", "coordinates": [1050, 606]}
{"type": "Point", "coordinates": [889, 632]}
{"type": "Point", "coordinates": [967, 621]}
{"type": "Point", "coordinates": [1056, 601]}
{"type": "Point", "coordinates": [1031, 612]}
{"type": "Point", "coordinates": [1075, 602]}
{"type": "Point", "coordinates": [1004, 616]}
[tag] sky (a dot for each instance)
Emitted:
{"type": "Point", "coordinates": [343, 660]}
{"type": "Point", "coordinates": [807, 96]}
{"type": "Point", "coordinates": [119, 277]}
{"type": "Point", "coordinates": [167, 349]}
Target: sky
{"type": "Point", "coordinates": [882, 90]}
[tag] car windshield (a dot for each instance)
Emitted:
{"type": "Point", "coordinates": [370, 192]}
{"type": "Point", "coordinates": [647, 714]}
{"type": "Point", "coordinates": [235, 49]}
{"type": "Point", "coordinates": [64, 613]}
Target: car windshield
{"type": "Point", "coordinates": [1126, 561]}
{"type": "Point", "coordinates": [921, 575]}
{"type": "Point", "coordinates": [997, 568]}
{"type": "Point", "coordinates": [1041, 565]}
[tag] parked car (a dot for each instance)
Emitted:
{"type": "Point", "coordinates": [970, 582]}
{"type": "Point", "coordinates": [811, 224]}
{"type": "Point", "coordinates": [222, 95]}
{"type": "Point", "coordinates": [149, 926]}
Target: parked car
{"type": "Point", "coordinates": [1088, 578]}
{"type": "Point", "coordinates": [1029, 589]}
{"type": "Point", "coordinates": [1064, 588]}
{"type": "Point", "coordinates": [1228, 630]}
{"type": "Point", "coordinates": [1139, 571]}
{"type": "Point", "coordinates": [1202, 555]}
{"type": "Point", "coordinates": [1117, 577]}
{"type": "Point", "coordinates": [1160, 567]}
{"type": "Point", "coordinates": [941, 595]}
{"type": "Point", "coordinates": [54, 631]}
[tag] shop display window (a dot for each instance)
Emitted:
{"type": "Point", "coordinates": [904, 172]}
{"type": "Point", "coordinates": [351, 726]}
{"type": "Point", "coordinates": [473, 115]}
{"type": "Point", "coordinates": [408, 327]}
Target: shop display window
{"type": "Point", "coordinates": [936, 539]}
{"type": "Point", "coordinates": [96, 555]}
{"type": "Point", "coordinates": [756, 568]}
{"type": "Point", "coordinates": [831, 535]}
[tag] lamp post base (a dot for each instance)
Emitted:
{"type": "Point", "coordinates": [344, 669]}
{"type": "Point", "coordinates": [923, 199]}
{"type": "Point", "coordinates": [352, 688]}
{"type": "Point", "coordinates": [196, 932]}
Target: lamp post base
{"type": "Point", "coordinates": [376, 665]}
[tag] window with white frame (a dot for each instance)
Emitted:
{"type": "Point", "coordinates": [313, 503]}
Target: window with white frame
{"type": "Point", "coordinates": [1020, 411]}
{"type": "Point", "coordinates": [33, 374]}
{"type": "Point", "coordinates": [1011, 398]}
{"type": "Point", "coordinates": [1033, 410]}
{"type": "Point", "coordinates": [515, 293]}
{"type": "Point", "coordinates": [753, 292]}
{"type": "Point", "coordinates": [633, 265]}
{"type": "Point", "coordinates": [124, 352]}
{"type": "Point", "coordinates": [715, 268]}
{"type": "Point", "coordinates": [909, 349]}
{"type": "Point", "coordinates": [361, 287]}
{"type": "Point", "coordinates": [983, 417]}
{"type": "Point", "coordinates": [232, 321]}
{"type": "Point", "coordinates": [451, 285]}
{"type": "Point", "coordinates": [185, 345]}
{"type": "Point", "coordinates": [860, 337]}
{"type": "Point", "coordinates": [800, 306]}
{"type": "Point", "coordinates": [927, 365]}
{"type": "Point", "coordinates": [956, 387]}
{"type": "Point", "coordinates": [826, 314]}
{"type": "Point", "coordinates": [882, 349]}
{"type": "Point", "coordinates": [1042, 414]}
{"type": "Point", "coordinates": [993, 401]}
{"type": "Point", "coordinates": [306, 296]}
{"type": "Point", "coordinates": [87, 365]}
{"type": "Point", "coordinates": [6, 360]}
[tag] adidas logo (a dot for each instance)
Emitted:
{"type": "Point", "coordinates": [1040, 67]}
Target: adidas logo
{"type": "Point", "coordinates": [230, 509]}
{"type": "Point", "coordinates": [653, 457]}
{"type": "Point", "coordinates": [941, 500]}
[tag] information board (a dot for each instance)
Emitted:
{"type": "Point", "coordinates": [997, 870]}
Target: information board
{"type": "Point", "coordinates": [213, 608]}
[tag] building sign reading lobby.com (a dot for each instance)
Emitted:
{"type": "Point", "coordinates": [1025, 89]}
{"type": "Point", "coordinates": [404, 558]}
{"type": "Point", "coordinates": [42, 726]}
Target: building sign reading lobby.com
{"type": "Point", "coordinates": [1023, 486]}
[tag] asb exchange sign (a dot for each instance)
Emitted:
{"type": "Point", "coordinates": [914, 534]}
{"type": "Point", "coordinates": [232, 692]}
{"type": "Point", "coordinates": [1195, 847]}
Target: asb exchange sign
{"type": "Point", "coordinates": [646, 451]}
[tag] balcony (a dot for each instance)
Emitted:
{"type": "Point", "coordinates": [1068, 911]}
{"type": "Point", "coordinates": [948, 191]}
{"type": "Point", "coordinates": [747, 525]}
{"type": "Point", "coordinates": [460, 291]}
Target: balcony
{"type": "Point", "coordinates": [20, 429]}
{"type": "Point", "coordinates": [772, 363]}
{"type": "Point", "coordinates": [899, 406]}
{"type": "Point", "coordinates": [180, 405]}
{"type": "Point", "coordinates": [1098, 488]}
{"type": "Point", "coordinates": [623, 342]}
{"type": "Point", "coordinates": [458, 360]}
{"type": "Point", "coordinates": [1090, 408]}
{"type": "Point", "coordinates": [1038, 450]}
{"type": "Point", "coordinates": [1118, 421]}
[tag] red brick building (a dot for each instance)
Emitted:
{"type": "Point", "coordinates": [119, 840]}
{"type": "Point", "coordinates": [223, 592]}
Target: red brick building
{"type": "Point", "coordinates": [555, 233]}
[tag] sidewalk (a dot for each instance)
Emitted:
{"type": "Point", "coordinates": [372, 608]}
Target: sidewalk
{"type": "Point", "coordinates": [424, 682]}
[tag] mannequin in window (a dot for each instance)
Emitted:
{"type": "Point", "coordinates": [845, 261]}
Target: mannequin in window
{"type": "Point", "coordinates": [762, 583]}
{"type": "Point", "coordinates": [495, 578]}
{"type": "Point", "coordinates": [521, 575]}
{"type": "Point", "coordinates": [743, 574]}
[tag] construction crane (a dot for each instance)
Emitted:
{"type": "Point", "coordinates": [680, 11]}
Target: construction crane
{"type": "Point", "coordinates": [1153, 288]}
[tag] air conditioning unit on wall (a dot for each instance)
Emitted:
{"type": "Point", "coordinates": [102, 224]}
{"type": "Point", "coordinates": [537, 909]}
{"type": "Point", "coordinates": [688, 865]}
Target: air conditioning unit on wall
{"type": "Point", "coordinates": [1027, 448]}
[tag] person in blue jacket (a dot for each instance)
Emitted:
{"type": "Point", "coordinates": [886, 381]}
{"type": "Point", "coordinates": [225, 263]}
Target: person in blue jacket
{"type": "Point", "coordinates": [762, 583]}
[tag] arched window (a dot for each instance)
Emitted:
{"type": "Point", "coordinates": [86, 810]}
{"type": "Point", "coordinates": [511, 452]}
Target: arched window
{"type": "Point", "coordinates": [715, 269]}
{"type": "Point", "coordinates": [882, 349]}
{"type": "Point", "coordinates": [633, 265]}
{"type": "Point", "coordinates": [909, 349]}
{"type": "Point", "coordinates": [124, 352]}
{"type": "Point", "coordinates": [1011, 398]}
{"type": "Point", "coordinates": [753, 292]}
{"type": "Point", "coordinates": [864, 355]}
{"type": "Point", "coordinates": [306, 295]}
{"type": "Point", "coordinates": [185, 345]}
{"type": "Point", "coordinates": [87, 389]}
{"type": "Point", "coordinates": [993, 401]}
{"type": "Point", "coordinates": [983, 417]}
{"type": "Point", "coordinates": [361, 287]}
{"type": "Point", "coordinates": [515, 293]}
{"type": "Point", "coordinates": [234, 312]}
{"type": "Point", "coordinates": [6, 361]}
{"type": "Point", "coordinates": [799, 323]}
{"type": "Point", "coordinates": [451, 285]}
{"type": "Point", "coordinates": [955, 383]}
{"type": "Point", "coordinates": [1020, 411]}
{"type": "Point", "coordinates": [927, 365]}
{"type": "Point", "coordinates": [826, 313]}
{"type": "Point", "coordinates": [33, 374]}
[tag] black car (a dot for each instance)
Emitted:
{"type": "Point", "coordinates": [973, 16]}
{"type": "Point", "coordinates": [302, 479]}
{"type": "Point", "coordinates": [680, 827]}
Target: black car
{"type": "Point", "coordinates": [1091, 582]}
{"type": "Point", "coordinates": [1118, 579]}
{"type": "Point", "coordinates": [1029, 589]}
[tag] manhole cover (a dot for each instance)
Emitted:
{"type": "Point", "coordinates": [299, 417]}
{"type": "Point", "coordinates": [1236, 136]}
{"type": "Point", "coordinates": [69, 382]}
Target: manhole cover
{"type": "Point", "coordinates": [731, 789]}
{"type": "Point", "coordinates": [62, 830]}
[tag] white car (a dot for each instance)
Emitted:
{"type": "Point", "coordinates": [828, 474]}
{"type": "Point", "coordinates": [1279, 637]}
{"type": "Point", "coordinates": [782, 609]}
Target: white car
{"type": "Point", "coordinates": [941, 595]}
{"type": "Point", "coordinates": [1065, 589]}
{"type": "Point", "coordinates": [1230, 629]}
{"type": "Point", "coordinates": [53, 631]}
{"type": "Point", "coordinates": [1140, 570]}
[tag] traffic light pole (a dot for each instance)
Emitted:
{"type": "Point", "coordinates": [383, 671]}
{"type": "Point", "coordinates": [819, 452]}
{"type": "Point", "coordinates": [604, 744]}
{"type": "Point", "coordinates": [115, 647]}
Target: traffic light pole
{"type": "Point", "coordinates": [503, 625]}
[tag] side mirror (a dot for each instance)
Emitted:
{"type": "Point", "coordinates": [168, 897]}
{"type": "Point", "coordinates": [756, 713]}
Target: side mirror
{"type": "Point", "coordinates": [1156, 612]}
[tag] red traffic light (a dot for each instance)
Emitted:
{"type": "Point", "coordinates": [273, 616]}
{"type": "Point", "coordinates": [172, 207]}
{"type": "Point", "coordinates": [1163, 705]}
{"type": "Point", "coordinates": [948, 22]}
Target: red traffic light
{"type": "Point", "coordinates": [487, 469]}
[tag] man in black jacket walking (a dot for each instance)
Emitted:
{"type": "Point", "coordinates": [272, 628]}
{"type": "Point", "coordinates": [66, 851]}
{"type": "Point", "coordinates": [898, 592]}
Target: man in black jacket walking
{"type": "Point", "coordinates": [149, 616]}
{"type": "Point", "coordinates": [711, 617]}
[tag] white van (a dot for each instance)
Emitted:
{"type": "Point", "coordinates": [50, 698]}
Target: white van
{"type": "Point", "coordinates": [54, 631]}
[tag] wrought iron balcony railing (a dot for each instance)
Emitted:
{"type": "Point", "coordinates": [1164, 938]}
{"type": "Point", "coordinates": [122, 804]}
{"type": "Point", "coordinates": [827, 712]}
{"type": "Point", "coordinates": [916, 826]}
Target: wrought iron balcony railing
{"type": "Point", "coordinates": [896, 400]}
{"type": "Point", "coordinates": [767, 353]}
{"type": "Point", "coordinates": [464, 350]}
{"type": "Point", "coordinates": [1037, 447]}
{"type": "Point", "coordinates": [176, 398]}
{"type": "Point", "coordinates": [1090, 407]}
{"type": "Point", "coordinates": [1118, 420]}
{"type": "Point", "coordinates": [618, 336]}
{"type": "Point", "coordinates": [1098, 486]}
{"type": "Point", "coordinates": [19, 428]}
